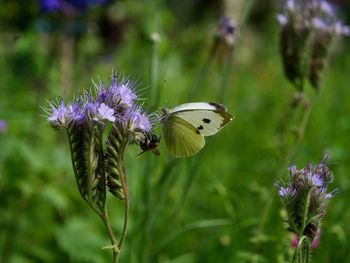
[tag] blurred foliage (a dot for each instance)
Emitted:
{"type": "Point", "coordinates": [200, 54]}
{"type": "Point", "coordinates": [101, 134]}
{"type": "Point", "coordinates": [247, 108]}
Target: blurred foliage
{"type": "Point", "coordinates": [218, 206]}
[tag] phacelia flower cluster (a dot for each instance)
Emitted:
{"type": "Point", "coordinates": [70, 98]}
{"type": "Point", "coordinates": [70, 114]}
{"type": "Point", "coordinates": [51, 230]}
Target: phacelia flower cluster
{"type": "Point", "coordinates": [100, 124]}
{"type": "Point", "coordinates": [305, 197]}
{"type": "Point", "coordinates": [114, 104]}
{"type": "Point", "coordinates": [307, 31]}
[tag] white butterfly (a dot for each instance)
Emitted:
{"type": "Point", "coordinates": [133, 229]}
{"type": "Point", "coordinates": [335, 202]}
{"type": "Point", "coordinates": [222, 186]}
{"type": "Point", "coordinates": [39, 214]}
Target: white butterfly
{"type": "Point", "coordinates": [185, 126]}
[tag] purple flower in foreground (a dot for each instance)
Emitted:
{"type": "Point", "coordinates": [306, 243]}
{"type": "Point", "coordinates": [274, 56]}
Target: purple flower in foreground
{"type": "Point", "coordinates": [115, 103]}
{"type": "Point", "coordinates": [99, 112]}
{"type": "Point", "coordinates": [62, 116]}
{"type": "Point", "coordinates": [123, 93]}
{"type": "Point", "coordinates": [100, 124]}
{"type": "Point", "coordinates": [139, 121]}
{"type": "Point", "coordinates": [106, 113]}
{"type": "Point", "coordinates": [305, 196]}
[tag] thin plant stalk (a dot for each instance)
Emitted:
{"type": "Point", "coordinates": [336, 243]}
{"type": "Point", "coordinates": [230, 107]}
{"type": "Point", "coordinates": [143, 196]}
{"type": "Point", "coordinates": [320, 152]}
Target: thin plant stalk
{"type": "Point", "coordinates": [67, 55]}
{"type": "Point", "coordinates": [111, 235]}
{"type": "Point", "coordinates": [302, 251]}
{"type": "Point", "coordinates": [121, 170]}
{"type": "Point", "coordinates": [227, 67]}
{"type": "Point", "coordinates": [154, 70]}
{"type": "Point", "coordinates": [203, 71]}
{"type": "Point", "coordinates": [155, 57]}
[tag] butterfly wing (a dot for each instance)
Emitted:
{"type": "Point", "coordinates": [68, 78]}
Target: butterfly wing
{"type": "Point", "coordinates": [208, 122]}
{"type": "Point", "coordinates": [181, 138]}
{"type": "Point", "coordinates": [206, 117]}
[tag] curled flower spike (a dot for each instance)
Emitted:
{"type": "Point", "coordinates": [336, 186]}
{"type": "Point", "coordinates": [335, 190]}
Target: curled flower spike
{"type": "Point", "coordinates": [305, 198]}
{"type": "Point", "coordinates": [98, 163]}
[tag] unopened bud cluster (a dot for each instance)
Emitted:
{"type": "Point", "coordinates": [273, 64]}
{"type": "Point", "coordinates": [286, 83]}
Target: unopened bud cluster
{"type": "Point", "coordinates": [307, 31]}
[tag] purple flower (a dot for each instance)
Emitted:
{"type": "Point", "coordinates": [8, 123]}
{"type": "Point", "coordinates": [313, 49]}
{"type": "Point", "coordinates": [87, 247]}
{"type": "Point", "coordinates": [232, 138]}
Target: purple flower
{"type": "Point", "coordinates": [312, 15]}
{"type": "Point", "coordinates": [136, 120]}
{"type": "Point", "coordinates": [62, 116]}
{"type": "Point", "coordinates": [115, 103]}
{"type": "Point", "coordinates": [106, 113]}
{"type": "Point", "coordinates": [123, 93]}
{"type": "Point", "coordinates": [50, 5]}
{"type": "Point", "coordinates": [67, 5]}
{"type": "Point", "coordinates": [286, 192]}
{"type": "Point", "coordinates": [316, 180]}
{"type": "Point", "coordinates": [3, 126]}
{"type": "Point", "coordinates": [99, 112]}
{"type": "Point", "coordinates": [304, 197]}
{"type": "Point", "coordinates": [292, 169]}
{"type": "Point", "coordinates": [282, 19]}
{"type": "Point", "coordinates": [227, 30]}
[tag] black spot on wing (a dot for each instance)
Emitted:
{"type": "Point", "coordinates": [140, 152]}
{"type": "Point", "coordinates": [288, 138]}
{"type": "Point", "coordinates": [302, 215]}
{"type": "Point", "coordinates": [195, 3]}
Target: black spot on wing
{"type": "Point", "coordinates": [197, 131]}
{"type": "Point", "coordinates": [200, 128]}
{"type": "Point", "coordinates": [205, 120]}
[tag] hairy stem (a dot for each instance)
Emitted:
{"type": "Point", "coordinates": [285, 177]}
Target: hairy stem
{"type": "Point", "coordinates": [302, 251]}
{"type": "Point", "coordinates": [111, 235]}
{"type": "Point", "coordinates": [121, 170]}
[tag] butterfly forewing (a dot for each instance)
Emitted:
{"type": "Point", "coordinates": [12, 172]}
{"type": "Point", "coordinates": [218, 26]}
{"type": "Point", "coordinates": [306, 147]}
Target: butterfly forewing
{"type": "Point", "coordinates": [207, 122]}
{"type": "Point", "coordinates": [181, 138]}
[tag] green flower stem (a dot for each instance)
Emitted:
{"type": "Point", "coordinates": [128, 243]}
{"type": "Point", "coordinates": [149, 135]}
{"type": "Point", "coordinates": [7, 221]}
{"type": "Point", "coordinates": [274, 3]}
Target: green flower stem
{"type": "Point", "coordinates": [111, 235]}
{"type": "Point", "coordinates": [227, 67]}
{"type": "Point", "coordinates": [302, 252]}
{"type": "Point", "coordinates": [121, 170]}
{"type": "Point", "coordinates": [300, 131]}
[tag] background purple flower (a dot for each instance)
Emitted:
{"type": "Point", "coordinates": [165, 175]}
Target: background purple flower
{"type": "Point", "coordinates": [56, 5]}
{"type": "Point", "coordinates": [3, 126]}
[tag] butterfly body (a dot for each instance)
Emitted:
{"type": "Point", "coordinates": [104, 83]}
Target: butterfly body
{"type": "Point", "coordinates": [185, 126]}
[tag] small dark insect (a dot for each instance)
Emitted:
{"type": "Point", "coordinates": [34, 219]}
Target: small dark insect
{"type": "Point", "coordinates": [150, 144]}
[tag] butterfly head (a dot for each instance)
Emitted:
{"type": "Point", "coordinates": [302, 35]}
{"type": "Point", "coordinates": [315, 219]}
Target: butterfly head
{"type": "Point", "coordinates": [165, 113]}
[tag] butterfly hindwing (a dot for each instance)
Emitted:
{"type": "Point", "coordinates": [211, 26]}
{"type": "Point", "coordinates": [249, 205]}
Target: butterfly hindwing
{"type": "Point", "coordinates": [181, 138]}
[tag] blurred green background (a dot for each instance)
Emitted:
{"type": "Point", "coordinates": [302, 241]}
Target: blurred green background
{"type": "Point", "coordinates": [218, 206]}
